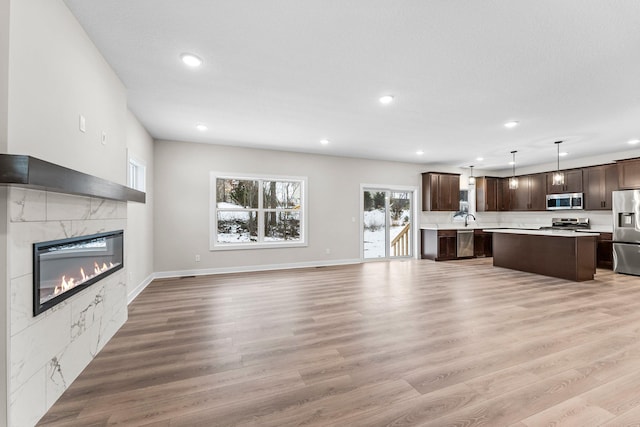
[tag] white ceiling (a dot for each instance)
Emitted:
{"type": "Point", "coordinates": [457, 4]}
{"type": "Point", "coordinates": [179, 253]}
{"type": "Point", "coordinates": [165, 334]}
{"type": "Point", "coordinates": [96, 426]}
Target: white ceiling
{"type": "Point", "coordinates": [284, 74]}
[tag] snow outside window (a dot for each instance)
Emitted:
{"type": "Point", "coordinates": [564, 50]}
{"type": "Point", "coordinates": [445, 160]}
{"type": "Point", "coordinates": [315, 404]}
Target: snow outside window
{"type": "Point", "coordinates": [257, 212]}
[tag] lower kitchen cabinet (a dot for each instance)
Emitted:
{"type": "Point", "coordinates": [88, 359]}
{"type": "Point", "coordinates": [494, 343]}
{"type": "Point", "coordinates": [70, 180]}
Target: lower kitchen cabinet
{"type": "Point", "coordinates": [439, 245]}
{"type": "Point", "coordinates": [482, 244]}
{"type": "Point", "coordinates": [604, 251]}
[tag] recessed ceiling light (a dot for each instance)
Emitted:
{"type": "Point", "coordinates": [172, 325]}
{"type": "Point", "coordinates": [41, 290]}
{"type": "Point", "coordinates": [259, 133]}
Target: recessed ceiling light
{"type": "Point", "coordinates": [191, 60]}
{"type": "Point", "coordinates": [201, 127]}
{"type": "Point", "coordinates": [419, 152]}
{"type": "Point", "coordinates": [386, 99]}
{"type": "Point", "coordinates": [634, 141]}
{"type": "Point", "coordinates": [511, 124]}
{"type": "Point", "coordinates": [511, 163]}
{"type": "Point", "coordinates": [324, 141]}
{"type": "Point", "coordinates": [563, 153]}
{"type": "Point", "coordinates": [479, 159]}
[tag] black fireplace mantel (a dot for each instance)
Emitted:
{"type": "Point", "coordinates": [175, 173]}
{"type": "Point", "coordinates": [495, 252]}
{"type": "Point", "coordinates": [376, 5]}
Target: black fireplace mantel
{"type": "Point", "coordinates": [30, 172]}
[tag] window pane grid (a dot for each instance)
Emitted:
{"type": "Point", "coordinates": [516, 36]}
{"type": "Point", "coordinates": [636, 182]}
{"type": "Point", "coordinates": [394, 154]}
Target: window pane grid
{"type": "Point", "coordinates": [258, 210]}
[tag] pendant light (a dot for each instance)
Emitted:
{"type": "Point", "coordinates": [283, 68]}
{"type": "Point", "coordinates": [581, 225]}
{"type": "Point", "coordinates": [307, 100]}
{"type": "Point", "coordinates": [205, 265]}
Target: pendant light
{"type": "Point", "coordinates": [558, 177]}
{"type": "Point", "coordinates": [513, 181]}
{"type": "Point", "coordinates": [472, 179]}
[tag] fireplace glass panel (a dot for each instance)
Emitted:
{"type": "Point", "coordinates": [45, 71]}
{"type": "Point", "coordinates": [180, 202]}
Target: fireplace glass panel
{"type": "Point", "coordinates": [65, 267]}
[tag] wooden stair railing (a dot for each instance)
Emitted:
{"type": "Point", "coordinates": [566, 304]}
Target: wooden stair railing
{"type": "Point", "coordinates": [400, 243]}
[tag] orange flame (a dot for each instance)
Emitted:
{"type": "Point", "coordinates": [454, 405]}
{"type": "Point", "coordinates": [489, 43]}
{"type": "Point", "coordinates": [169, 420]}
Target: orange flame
{"type": "Point", "coordinates": [66, 284]}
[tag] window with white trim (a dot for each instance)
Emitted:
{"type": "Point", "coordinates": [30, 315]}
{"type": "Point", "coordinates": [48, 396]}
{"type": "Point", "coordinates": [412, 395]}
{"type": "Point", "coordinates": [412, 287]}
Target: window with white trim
{"type": "Point", "coordinates": [257, 211]}
{"type": "Point", "coordinates": [136, 174]}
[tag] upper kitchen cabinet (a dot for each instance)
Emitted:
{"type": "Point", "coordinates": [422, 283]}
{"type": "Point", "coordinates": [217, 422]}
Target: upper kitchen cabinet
{"type": "Point", "coordinates": [504, 195]}
{"type": "Point", "coordinates": [487, 194]}
{"type": "Point", "coordinates": [629, 174]}
{"type": "Point", "coordinates": [440, 191]}
{"type": "Point", "coordinates": [599, 183]}
{"type": "Point", "coordinates": [572, 182]}
{"type": "Point", "coordinates": [530, 194]}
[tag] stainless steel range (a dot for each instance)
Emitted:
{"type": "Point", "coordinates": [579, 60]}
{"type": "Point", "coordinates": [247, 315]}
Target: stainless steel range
{"type": "Point", "coordinates": [568, 224]}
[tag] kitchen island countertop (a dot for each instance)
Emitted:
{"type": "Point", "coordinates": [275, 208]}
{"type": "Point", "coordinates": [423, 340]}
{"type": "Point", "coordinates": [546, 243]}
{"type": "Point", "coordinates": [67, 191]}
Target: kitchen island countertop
{"type": "Point", "coordinates": [555, 233]}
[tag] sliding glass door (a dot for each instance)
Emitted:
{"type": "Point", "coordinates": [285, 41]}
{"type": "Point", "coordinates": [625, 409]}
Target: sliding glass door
{"type": "Point", "coordinates": [387, 219]}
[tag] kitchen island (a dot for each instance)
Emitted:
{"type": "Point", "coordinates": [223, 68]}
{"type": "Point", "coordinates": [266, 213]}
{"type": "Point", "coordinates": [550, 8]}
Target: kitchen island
{"type": "Point", "coordinates": [557, 253]}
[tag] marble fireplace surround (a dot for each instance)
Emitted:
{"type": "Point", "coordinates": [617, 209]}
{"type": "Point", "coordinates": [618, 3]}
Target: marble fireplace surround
{"type": "Point", "coordinates": [48, 202]}
{"type": "Point", "coordinates": [47, 352]}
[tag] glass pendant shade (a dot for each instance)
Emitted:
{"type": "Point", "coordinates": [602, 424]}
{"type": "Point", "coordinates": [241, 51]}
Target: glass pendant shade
{"type": "Point", "coordinates": [513, 183]}
{"type": "Point", "coordinates": [558, 178]}
{"type": "Point", "coordinates": [472, 179]}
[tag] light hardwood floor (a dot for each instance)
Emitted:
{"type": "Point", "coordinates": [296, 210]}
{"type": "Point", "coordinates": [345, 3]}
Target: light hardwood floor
{"type": "Point", "coordinates": [388, 343]}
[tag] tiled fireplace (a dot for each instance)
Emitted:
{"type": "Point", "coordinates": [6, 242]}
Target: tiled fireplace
{"type": "Point", "coordinates": [49, 350]}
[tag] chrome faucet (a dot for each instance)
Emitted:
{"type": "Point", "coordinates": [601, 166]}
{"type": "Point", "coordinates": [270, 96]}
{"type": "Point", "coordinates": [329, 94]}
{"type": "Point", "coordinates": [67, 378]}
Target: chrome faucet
{"type": "Point", "coordinates": [466, 219]}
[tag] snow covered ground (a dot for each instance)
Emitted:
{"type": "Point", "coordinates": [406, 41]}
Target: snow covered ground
{"type": "Point", "coordinates": [374, 232]}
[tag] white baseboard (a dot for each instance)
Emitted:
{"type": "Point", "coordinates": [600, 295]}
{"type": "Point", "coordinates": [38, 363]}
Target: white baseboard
{"type": "Point", "coordinates": [133, 294]}
{"type": "Point", "coordinates": [252, 268]}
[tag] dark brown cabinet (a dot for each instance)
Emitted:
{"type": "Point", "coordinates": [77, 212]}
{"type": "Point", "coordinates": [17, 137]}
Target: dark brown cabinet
{"type": "Point", "coordinates": [482, 244]}
{"type": "Point", "coordinates": [629, 174]}
{"type": "Point", "coordinates": [599, 183]}
{"type": "Point", "coordinates": [572, 182]}
{"type": "Point", "coordinates": [604, 251]}
{"type": "Point", "coordinates": [439, 245]}
{"type": "Point", "coordinates": [487, 194]}
{"type": "Point", "coordinates": [530, 194]}
{"type": "Point", "coordinates": [504, 195]}
{"type": "Point", "coordinates": [440, 191]}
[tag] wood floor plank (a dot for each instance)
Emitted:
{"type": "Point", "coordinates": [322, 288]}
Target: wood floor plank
{"type": "Point", "coordinates": [388, 343]}
{"type": "Point", "coordinates": [570, 413]}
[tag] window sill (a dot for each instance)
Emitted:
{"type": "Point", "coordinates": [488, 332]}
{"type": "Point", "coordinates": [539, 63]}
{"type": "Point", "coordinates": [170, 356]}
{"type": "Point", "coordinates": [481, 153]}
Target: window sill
{"type": "Point", "coordinates": [248, 246]}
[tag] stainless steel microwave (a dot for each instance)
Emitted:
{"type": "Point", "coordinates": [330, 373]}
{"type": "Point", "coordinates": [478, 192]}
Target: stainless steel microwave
{"type": "Point", "coordinates": [565, 201]}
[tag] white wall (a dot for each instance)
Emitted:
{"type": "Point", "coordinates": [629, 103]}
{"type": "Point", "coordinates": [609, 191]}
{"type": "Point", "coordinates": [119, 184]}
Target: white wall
{"type": "Point", "coordinates": [4, 72]}
{"type": "Point", "coordinates": [56, 73]}
{"type": "Point", "coordinates": [4, 273]}
{"type": "Point", "coordinates": [139, 240]}
{"type": "Point", "coordinates": [182, 207]}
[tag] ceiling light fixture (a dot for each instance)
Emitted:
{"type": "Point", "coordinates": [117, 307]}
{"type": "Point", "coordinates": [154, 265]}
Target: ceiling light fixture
{"type": "Point", "coordinates": [386, 99]}
{"type": "Point", "coordinates": [513, 181]}
{"type": "Point", "coordinates": [191, 60]}
{"type": "Point", "coordinates": [201, 127]}
{"type": "Point", "coordinates": [633, 141]}
{"type": "Point", "coordinates": [324, 141]}
{"type": "Point", "coordinates": [472, 179]}
{"type": "Point", "coordinates": [419, 152]}
{"type": "Point", "coordinates": [563, 153]}
{"type": "Point", "coordinates": [511, 124]}
{"type": "Point", "coordinates": [479, 159]}
{"type": "Point", "coordinates": [558, 177]}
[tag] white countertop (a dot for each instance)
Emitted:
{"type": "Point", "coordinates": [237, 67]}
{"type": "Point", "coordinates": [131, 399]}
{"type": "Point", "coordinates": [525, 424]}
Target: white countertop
{"type": "Point", "coordinates": [459, 226]}
{"type": "Point", "coordinates": [554, 233]}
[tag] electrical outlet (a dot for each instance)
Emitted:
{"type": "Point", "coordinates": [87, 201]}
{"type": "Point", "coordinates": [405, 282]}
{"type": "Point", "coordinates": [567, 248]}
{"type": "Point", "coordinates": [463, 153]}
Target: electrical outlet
{"type": "Point", "coordinates": [198, 258]}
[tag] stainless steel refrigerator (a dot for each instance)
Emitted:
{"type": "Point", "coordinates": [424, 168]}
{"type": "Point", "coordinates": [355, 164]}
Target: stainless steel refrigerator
{"type": "Point", "coordinates": [626, 232]}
